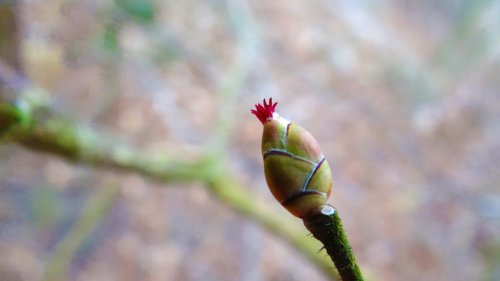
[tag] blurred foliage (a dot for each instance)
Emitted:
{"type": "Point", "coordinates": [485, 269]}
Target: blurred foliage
{"type": "Point", "coordinates": [44, 204]}
{"type": "Point", "coordinates": [142, 10]}
{"type": "Point", "coordinates": [403, 97]}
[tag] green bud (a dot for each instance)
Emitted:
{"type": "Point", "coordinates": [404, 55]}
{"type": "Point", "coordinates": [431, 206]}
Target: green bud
{"type": "Point", "coordinates": [296, 171]}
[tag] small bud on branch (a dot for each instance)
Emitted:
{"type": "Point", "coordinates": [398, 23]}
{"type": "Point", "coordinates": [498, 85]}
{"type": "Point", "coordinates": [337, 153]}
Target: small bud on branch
{"type": "Point", "coordinates": [297, 173]}
{"type": "Point", "coordinates": [299, 177]}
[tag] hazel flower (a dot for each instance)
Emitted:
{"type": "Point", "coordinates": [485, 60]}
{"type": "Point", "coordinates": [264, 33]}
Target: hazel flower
{"type": "Point", "coordinates": [296, 171]}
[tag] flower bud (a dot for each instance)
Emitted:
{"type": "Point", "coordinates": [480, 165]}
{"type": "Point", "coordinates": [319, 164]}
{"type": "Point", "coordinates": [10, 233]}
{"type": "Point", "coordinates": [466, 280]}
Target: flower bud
{"type": "Point", "coordinates": [296, 171]}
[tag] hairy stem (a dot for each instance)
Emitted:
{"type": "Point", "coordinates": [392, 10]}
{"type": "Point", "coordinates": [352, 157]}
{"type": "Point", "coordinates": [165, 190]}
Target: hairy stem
{"type": "Point", "coordinates": [326, 226]}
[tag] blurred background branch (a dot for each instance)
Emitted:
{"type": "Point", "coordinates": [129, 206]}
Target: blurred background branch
{"type": "Point", "coordinates": [93, 213]}
{"type": "Point", "coordinates": [9, 37]}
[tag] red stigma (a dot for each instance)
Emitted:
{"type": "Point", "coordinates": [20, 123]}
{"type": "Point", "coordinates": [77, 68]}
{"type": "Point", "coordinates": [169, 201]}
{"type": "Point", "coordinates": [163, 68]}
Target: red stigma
{"type": "Point", "coordinates": [264, 112]}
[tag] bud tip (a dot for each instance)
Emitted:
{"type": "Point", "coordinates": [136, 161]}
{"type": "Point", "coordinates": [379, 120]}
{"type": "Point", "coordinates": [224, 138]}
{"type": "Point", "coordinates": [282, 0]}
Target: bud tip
{"type": "Point", "coordinates": [264, 112]}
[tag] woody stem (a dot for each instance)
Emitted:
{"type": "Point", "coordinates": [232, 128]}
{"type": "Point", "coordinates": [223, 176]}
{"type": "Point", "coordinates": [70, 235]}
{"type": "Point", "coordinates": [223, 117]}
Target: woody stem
{"type": "Point", "coordinates": [326, 226]}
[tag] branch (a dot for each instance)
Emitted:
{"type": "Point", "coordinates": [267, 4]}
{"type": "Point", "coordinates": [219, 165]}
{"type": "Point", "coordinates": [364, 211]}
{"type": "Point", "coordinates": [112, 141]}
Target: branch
{"type": "Point", "coordinates": [39, 129]}
{"type": "Point", "coordinates": [326, 226]}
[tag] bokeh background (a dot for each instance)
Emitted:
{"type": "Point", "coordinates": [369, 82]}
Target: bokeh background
{"type": "Point", "coordinates": [403, 97]}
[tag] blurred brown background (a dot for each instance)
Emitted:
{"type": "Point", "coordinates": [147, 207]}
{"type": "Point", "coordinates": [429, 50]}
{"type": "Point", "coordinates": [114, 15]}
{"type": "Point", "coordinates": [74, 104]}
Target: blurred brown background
{"type": "Point", "coordinates": [403, 96]}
